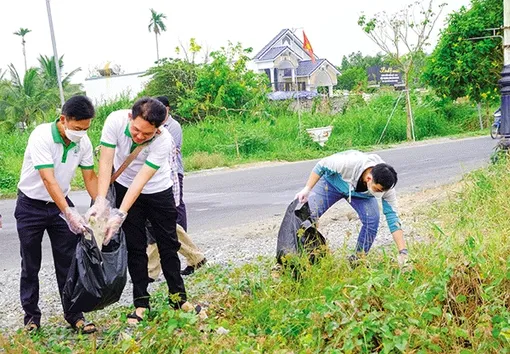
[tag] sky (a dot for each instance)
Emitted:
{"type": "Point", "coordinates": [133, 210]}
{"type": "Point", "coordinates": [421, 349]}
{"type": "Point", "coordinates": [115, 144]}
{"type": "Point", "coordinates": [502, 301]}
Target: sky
{"type": "Point", "coordinates": [92, 32]}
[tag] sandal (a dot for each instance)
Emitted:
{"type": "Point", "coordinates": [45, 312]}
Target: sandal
{"type": "Point", "coordinates": [134, 316]}
{"type": "Point", "coordinates": [83, 327]}
{"type": "Point", "coordinates": [32, 327]}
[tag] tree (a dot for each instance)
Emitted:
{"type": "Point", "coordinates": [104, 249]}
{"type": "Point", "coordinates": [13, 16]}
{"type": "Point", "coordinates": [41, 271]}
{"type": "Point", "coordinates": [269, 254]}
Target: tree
{"type": "Point", "coordinates": [402, 36]}
{"type": "Point", "coordinates": [22, 32]}
{"type": "Point", "coordinates": [354, 78]}
{"type": "Point", "coordinates": [358, 60]}
{"type": "Point", "coordinates": [173, 78]}
{"type": "Point", "coordinates": [191, 51]}
{"type": "Point", "coordinates": [157, 25]}
{"type": "Point", "coordinates": [225, 84]}
{"type": "Point", "coordinates": [48, 71]}
{"type": "Point", "coordinates": [26, 100]}
{"type": "Point", "coordinates": [463, 66]}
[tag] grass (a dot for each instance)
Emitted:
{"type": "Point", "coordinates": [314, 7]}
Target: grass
{"type": "Point", "coordinates": [456, 299]}
{"type": "Point", "coordinates": [276, 136]}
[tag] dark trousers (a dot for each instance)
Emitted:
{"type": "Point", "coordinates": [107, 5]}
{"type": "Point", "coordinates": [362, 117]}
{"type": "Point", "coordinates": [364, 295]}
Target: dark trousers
{"type": "Point", "coordinates": [159, 209]}
{"type": "Point", "coordinates": [33, 217]}
{"type": "Point", "coordinates": [181, 209]}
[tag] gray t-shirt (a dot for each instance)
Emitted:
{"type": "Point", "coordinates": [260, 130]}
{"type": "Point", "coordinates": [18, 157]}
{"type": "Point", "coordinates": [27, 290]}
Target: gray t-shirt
{"type": "Point", "coordinates": [174, 128]}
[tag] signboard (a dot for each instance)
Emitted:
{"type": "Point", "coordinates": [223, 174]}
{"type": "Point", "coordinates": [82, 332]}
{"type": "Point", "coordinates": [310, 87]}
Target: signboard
{"type": "Point", "coordinates": [384, 75]}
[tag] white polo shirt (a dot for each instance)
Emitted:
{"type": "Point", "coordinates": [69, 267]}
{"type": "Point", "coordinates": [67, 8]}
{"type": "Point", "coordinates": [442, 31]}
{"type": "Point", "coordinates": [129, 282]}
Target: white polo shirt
{"type": "Point", "coordinates": [116, 135]}
{"type": "Point", "coordinates": [46, 149]}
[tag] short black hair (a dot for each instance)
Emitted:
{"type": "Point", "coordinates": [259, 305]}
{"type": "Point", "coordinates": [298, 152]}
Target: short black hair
{"type": "Point", "coordinates": [150, 110]}
{"type": "Point", "coordinates": [164, 100]}
{"type": "Point", "coordinates": [78, 108]}
{"type": "Point", "coordinates": [385, 175]}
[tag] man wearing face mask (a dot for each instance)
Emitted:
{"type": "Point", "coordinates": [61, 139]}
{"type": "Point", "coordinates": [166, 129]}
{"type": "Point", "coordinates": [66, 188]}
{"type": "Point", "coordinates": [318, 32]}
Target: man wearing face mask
{"type": "Point", "coordinates": [54, 152]}
{"type": "Point", "coordinates": [361, 179]}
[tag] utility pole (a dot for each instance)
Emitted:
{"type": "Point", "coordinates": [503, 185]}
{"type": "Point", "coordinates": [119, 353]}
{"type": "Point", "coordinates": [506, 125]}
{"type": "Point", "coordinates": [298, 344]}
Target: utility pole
{"type": "Point", "coordinates": [55, 55]}
{"type": "Point", "coordinates": [505, 74]}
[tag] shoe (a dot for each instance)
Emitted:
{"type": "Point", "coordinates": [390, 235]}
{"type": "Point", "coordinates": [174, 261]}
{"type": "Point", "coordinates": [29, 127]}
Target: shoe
{"type": "Point", "coordinates": [191, 269]}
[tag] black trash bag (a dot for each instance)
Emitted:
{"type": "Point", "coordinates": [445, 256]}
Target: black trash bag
{"type": "Point", "coordinates": [298, 234]}
{"type": "Point", "coordinates": [96, 278]}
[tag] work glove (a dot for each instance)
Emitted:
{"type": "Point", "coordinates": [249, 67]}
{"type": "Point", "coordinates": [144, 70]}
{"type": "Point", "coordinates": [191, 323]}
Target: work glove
{"type": "Point", "coordinates": [113, 224]}
{"type": "Point", "coordinates": [99, 210]}
{"type": "Point", "coordinates": [74, 220]}
{"type": "Point", "coordinates": [302, 196]}
{"type": "Point", "coordinates": [403, 260]}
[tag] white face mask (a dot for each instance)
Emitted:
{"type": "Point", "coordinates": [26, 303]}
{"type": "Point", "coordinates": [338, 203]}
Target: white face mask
{"type": "Point", "coordinates": [75, 135]}
{"type": "Point", "coordinates": [375, 194]}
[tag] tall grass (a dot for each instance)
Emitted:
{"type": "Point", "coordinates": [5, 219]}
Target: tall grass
{"type": "Point", "coordinates": [456, 299]}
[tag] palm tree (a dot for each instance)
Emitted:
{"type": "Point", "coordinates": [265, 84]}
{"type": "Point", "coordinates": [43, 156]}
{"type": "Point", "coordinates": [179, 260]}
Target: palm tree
{"type": "Point", "coordinates": [25, 99]}
{"type": "Point", "coordinates": [156, 25]}
{"type": "Point", "coordinates": [48, 71]}
{"type": "Point", "coordinates": [22, 32]}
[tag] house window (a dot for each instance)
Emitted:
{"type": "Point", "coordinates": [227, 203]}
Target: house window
{"type": "Point", "coordinates": [287, 72]}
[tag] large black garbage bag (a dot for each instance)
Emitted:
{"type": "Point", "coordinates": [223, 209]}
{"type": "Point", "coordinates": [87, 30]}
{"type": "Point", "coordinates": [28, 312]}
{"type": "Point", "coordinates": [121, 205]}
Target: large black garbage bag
{"type": "Point", "coordinates": [298, 234]}
{"type": "Point", "coordinates": [96, 278]}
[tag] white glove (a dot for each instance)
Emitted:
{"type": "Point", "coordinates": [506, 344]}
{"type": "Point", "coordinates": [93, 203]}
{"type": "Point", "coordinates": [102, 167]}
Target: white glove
{"type": "Point", "coordinates": [74, 220]}
{"type": "Point", "coordinates": [113, 224]}
{"type": "Point", "coordinates": [302, 196]}
{"type": "Point", "coordinates": [100, 209]}
{"type": "Point", "coordinates": [403, 260]}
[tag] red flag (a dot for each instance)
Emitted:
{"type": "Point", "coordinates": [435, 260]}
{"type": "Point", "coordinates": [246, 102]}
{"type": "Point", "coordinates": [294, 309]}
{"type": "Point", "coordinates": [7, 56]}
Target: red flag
{"type": "Point", "coordinates": [308, 47]}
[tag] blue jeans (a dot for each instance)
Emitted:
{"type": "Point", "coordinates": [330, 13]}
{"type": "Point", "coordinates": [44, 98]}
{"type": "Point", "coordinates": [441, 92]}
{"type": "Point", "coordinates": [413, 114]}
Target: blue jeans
{"type": "Point", "coordinates": [324, 195]}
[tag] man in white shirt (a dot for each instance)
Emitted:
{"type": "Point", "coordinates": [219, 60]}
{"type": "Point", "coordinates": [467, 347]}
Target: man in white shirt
{"type": "Point", "coordinates": [54, 152]}
{"type": "Point", "coordinates": [144, 189]}
{"type": "Point", "coordinates": [195, 258]}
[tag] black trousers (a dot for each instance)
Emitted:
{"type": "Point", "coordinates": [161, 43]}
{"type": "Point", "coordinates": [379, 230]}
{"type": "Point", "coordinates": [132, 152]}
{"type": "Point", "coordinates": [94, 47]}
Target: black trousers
{"type": "Point", "coordinates": [33, 217]}
{"type": "Point", "coordinates": [159, 209]}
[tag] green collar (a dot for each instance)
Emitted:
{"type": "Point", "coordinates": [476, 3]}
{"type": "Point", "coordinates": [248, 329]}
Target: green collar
{"type": "Point", "coordinates": [134, 145]}
{"type": "Point", "coordinates": [57, 138]}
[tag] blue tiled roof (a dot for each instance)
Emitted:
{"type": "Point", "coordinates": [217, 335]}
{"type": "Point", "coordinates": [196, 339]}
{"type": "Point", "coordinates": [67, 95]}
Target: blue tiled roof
{"type": "Point", "coordinates": [272, 53]}
{"type": "Point", "coordinates": [267, 46]}
{"type": "Point", "coordinates": [306, 67]}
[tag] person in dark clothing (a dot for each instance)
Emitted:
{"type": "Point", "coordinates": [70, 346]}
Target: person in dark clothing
{"type": "Point", "coordinates": [54, 151]}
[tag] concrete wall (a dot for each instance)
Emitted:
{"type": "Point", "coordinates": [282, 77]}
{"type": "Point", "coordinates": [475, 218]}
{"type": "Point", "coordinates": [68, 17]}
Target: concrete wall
{"type": "Point", "coordinates": [106, 89]}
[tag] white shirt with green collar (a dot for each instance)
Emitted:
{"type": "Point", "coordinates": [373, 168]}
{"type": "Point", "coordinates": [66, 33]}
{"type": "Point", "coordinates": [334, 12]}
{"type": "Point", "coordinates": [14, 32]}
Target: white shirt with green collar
{"type": "Point", "coordinates": [116, 135]}
{"type": "Point", "coordinates": [46, 149]}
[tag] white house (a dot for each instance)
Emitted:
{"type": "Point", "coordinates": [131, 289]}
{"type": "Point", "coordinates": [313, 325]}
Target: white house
{"type": "Point", "coordinates": [290, 67]}
{"type": "Point", "coordinates": [108, 88]}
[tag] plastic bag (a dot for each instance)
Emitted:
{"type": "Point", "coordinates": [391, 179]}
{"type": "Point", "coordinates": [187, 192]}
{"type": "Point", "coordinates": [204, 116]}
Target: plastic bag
{"type": "Point", "coordinates": [298, 234]}
{"type": "Point", "coordinates": [96, 277]}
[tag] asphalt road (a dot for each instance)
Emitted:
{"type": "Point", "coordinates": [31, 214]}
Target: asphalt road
{"type": "Point", "coordinates": [229, 197]}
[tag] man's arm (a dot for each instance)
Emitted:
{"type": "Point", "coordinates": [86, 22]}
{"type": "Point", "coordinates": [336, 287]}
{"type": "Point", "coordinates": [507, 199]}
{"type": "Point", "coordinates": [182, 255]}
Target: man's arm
{"type": "Point", "coordinates": [51, 184]}
{"type": "Point", "coordinates": [90, 179]}
{"type": "Point", "coordinates": [105, 170]}
{"type": "Point", "coordinates": [73, 218]}
{"type": "Point", "coordinates": [302, 196]}
{"type": "Point", "coordinates": [141, 179]}
{"type": "Point", "coordinates": [398, 237]}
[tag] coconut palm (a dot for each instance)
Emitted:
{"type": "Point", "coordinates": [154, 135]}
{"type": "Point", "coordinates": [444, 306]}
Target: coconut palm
{"type": "Point", "coordinates": [48, 72]}
{"type": "Point", "coordinates": [26, 100]}
{"type": "Point", "coordinates": [156, 25]}
{"type": "Point", "coordinates": [22, 32]}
